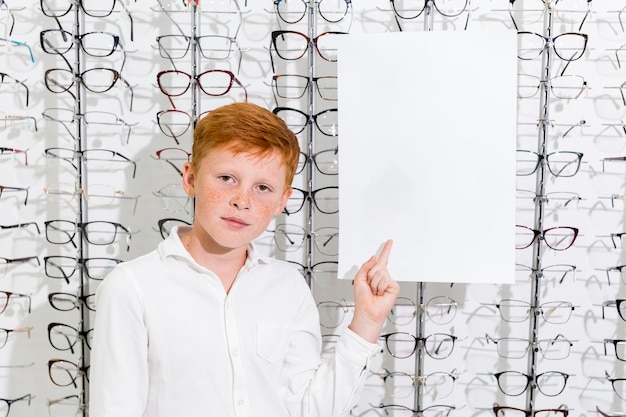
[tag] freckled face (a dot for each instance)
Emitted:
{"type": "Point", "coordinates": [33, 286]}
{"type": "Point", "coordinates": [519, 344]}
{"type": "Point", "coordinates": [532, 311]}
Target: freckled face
{"type": "Point", "coordinates": [237, 195]}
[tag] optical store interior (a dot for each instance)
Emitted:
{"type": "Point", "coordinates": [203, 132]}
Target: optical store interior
{"type": "Point", "coordinates": [97, 108]}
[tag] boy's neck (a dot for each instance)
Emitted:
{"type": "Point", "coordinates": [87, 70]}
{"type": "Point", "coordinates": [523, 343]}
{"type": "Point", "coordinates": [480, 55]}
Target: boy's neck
{"type": "Point", "coordinates": [226, 264]}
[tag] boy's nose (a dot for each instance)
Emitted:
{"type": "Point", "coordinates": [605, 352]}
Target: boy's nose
{"type": "Point", "coordinates": [240, 200]}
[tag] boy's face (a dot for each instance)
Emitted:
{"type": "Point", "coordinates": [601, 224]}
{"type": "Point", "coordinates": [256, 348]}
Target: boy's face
{"type": "Point", "coordinates": [237, 195]}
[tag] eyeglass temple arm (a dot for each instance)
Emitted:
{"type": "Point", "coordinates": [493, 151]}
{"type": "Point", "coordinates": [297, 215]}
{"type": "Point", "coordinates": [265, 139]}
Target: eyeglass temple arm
{"type": "Point", "coordinates": [24, 260]}
{"type": "Point", "coordinates": [130, 17]}
{"type": "Point", "coordinates": [19, 225]}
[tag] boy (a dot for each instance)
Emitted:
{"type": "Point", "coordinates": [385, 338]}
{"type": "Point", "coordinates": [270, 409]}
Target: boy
{"type": "Point", "coordinates": [206, 326]}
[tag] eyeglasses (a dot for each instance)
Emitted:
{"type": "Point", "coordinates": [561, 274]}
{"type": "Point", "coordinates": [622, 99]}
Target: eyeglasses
{"type": "Point", "coordinates": [174, 158]}
{"type": "Point", "coordinates": [568, 87]}
{"type": "Point", "coordinates": [502, 411]}
{"type": "Point", "coordinates": [619, 303]}
{"type": "Point", "coordinates": [5, 297]}
{"type": "Point", "coordinates": [567, 11]}
{"type": "Point", "coordinates": [96, 80]}
{"type": "Point", "coordinates": [67, 116]}
{"type": "Point", "coordinates": [290, 237]}
{"type": "Point", "coordinates": [325, 161]}
{"type": "Point", "coordinates": [92, 8]}
{"type": "Point", "coordinates": [402, 345]}
{"type": "Point", "coordinates": [8, 44]}
{"type": "Point", "coordinates": [620, 269]}
{"type": "Point", "coordinates": [618, 385]}
{"type": "Point", "coordinates": [174, 123]}
{"type": "Point", "coordinates": [440, 309]}
{"type": "Point", "coordinates": [514, 383]}
{"type": "Point", "coordinates": [556, 238]}
{"type": "Point", "coordinates": [411, 9]}
{"type": "Point", "coordinates": [293, 86]}
{"type": "Point", "coordinates": [166, 225]}
{"type": "Point", "coordinates": [619, 346]}
{"type": "Point", "coordinates": [71, 404]}
{"type": "Point", "coordinates": [64, 301]}
{"type": "Point", "coordinates": [568, 46]}
{"type": "Point", "coordinates": [212, 47]}
{"type": "Point", "coordinates": [64, 337]}
{"type": "Point", "coordinates": [557, 272]}
{"type": "Point", "coordinates": [4, 337]}
{"type": "Point", "coordinates": [293, 11]}
{"type": "Point", "coordinates": [516, 348]}
{"type": "Point", "coordinates": [8, 83]}
{"type": "Point", "coordinates": [397, 410]}
{"type": "Point", "coordinates": [6, 119]}
{"type": "Point", "coordinates": [332, 313]}
{"type": "Point", "coordinates": [560, 164]}
{"type": "Point", "coordinates": [325, 199]}
{"type": "Point", "coordinates": [65, 373]}
{"type": "Point", "coordinates": [98, 194]}
{"type": "Point", "coordinates": [403, 385]}
{"type": "Point", "coordinates": [96, 44]}
{"type": "Point", "coordinates": [326, 121]}
{"type": "Point", "coordinates": [614, 197]}
{"type": "Point", "coordinates": [4, 190]}
{"type": "Point", "coordinates": [5, 404]}
{"type": "Point", "coordinates": [63, 267]}
{"type": "Point", "coordinates": [12, 152]}
{"type": "Point", "coordinates": [174, 198]}
{"type": "Point", "coordinates": [613, 158]}
{"type": "Point", "coordinates": [323, 273]}
{"type": "Point", "coordinates": [171, 155]}
{"type": "Point", "coordinates": [517, 311]}
{"type": "Point", "coordinates": [4, 262]}
{"type": "Point", "coordinates": [96, 159]}
{"type": "Point", "coordinates": [95, 232]}
{"type": "Point", "coordinates": [291, 45]}
{"type": "Point", "coordinates": [554, 200]}
{"type": "Point", "coordinates": [215, 82]}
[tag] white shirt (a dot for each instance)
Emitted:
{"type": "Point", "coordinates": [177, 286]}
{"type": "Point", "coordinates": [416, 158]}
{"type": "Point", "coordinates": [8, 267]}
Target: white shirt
{"type": "Point", "coordinates": [169, 342]}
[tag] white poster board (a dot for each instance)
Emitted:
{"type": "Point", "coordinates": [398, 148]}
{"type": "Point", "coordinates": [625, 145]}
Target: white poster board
{"type": "Point", "coordinates": [427, 154]}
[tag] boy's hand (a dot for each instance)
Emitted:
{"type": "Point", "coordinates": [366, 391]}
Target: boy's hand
{"type": "Point", "coordinates": [375, 293]}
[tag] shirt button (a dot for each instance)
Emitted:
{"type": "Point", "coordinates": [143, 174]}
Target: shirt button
{"type": "Point", "coordinates": [235, 352]}
{"type": "Point", "coordinates": [240, 402]}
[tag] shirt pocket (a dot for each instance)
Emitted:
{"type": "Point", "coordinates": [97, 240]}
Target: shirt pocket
{"type": "Point", "coordinates": [272, 340]}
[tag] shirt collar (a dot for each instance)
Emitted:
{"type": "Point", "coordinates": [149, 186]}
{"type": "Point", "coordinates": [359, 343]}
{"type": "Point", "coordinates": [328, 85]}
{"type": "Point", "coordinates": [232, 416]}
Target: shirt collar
{"type": "Point", "coordinates": [173, 246]}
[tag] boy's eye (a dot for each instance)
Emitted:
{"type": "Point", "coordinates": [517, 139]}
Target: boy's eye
{"type": "Point", "coordinates": [225, 178]}
{"type": "Point", "coordinates": [264, 188]}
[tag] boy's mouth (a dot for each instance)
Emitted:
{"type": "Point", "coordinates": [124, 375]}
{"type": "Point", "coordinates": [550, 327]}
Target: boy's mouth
{"type": "Point", "coordinates": [235, 222]}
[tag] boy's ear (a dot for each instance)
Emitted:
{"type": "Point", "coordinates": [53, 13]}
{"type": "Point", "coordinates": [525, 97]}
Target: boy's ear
{"type": "Point", "coordinates": [189, 179]}
{"type": "Point", "coordinates": [283, 201]}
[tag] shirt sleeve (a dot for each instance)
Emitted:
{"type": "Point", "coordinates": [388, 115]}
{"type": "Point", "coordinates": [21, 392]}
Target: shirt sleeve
{"type": "Point", "coordinates": [119, 366]}
{"type": "Point", "coordinates": [329, 388]}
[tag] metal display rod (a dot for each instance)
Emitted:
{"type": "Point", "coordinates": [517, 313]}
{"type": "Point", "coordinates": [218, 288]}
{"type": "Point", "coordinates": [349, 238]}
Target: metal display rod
{"type": "Point", "coordinates": [539, 212]}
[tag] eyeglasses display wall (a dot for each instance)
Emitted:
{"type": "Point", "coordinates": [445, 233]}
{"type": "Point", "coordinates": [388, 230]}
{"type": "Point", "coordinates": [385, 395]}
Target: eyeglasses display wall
{"type": "Point", "coordinates": [98, 101]}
